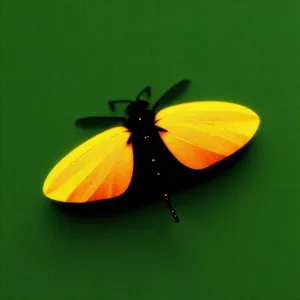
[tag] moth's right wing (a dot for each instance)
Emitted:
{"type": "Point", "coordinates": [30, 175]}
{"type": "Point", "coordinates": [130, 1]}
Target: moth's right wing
{"type": "Point", "coordinates": [200, 134]}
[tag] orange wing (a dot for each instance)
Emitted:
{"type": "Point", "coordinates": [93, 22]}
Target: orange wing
{"type": "Point", "coordinates": [202, 133]}
{"type": "Point", "coordinates": [101, 168]}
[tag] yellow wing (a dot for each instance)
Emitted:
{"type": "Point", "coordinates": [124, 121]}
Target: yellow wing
{"type": "Point", "coordinates": [199, 134]}
{"type": "Point", "coordinates": [101, 168]}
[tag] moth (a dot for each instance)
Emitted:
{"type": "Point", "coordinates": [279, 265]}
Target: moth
{"type": "Point", "coordinates": [198, 134]}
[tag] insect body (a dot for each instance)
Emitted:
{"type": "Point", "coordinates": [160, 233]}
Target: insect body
{"type": "Point", "coordinates": [198, 135]}
{"type": "Point", "coordinates": [144, 136]}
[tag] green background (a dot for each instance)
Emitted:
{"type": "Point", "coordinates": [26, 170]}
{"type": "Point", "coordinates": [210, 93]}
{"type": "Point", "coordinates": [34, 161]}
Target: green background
{"type": "Point", "coordinates": [239, 235]}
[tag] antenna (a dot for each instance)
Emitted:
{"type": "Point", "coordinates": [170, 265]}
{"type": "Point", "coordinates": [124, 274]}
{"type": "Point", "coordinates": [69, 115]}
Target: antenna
{"type": "Point", "coordinates": [147, 90]}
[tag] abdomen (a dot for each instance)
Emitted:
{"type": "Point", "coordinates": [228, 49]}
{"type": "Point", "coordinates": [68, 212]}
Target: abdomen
{"type": "Point", "coordinates": [150, 160]}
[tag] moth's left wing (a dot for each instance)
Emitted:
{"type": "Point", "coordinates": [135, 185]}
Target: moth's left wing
{"type": "Point", "coordinates": [100, 168]}
{"type": "Point", "coordinates": [200, 134]}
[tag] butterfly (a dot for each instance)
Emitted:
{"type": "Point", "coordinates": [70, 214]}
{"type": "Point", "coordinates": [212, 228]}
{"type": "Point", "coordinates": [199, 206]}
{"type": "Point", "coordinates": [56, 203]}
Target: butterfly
{"type": "Point", "coordinates": [197, 134]}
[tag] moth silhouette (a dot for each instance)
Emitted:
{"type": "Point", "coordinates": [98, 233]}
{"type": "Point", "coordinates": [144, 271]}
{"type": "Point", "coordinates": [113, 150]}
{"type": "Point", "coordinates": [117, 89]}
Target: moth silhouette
{"type": "Point", "coordinates": [198, 135]}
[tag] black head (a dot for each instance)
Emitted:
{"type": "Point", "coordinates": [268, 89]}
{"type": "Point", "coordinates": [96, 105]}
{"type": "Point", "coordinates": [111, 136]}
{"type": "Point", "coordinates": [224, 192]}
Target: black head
{"type": "Point", "coordinates": [137, 107]}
